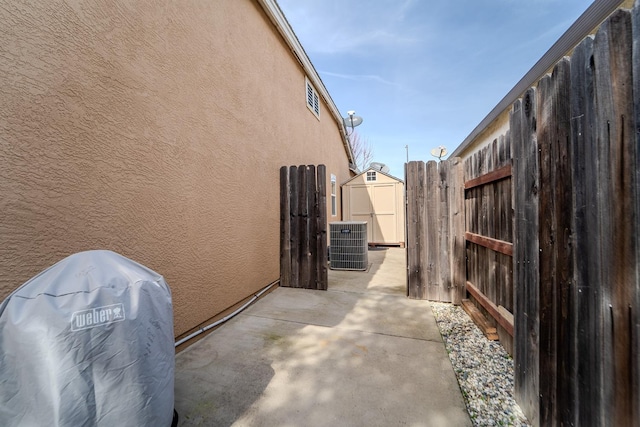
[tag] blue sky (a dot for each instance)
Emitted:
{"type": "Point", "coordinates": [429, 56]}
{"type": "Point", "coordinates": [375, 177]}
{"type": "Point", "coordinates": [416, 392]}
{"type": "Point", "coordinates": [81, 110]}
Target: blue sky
{"type": "Point", "coordinates": [424, 73]}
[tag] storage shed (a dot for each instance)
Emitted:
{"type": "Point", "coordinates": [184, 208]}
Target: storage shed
{"type": "Point", "coordinates": [377, 198]}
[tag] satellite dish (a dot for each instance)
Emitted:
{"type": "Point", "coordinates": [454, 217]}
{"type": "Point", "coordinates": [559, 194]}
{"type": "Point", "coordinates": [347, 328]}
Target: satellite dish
{"type": "Point", "coordinates": [352, 121]}
{"type": "Point", "coordinates": [379, 167]}
{"type": "Point", "coordinates": [439, 152]}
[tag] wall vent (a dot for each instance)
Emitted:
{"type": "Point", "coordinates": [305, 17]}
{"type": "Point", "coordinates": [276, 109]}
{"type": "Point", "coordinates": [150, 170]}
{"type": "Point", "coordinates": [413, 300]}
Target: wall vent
{"type": "Point", "coordinates": [349, 246]}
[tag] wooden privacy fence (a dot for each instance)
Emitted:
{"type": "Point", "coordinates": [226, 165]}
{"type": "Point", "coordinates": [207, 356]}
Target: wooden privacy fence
{"type": "Point", "coordinates": [576, 257]}
{"type": "Point", "coordinates": [435, 230]}
{"type": "Point", "coordinates": [489, 235]}
{"type": "Point", "coordinates": [303, 227]}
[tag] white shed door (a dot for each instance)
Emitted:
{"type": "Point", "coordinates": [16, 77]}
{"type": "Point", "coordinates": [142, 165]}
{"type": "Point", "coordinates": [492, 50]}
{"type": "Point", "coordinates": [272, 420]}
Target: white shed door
{"type": "Point", "coordinates": [375, 204]}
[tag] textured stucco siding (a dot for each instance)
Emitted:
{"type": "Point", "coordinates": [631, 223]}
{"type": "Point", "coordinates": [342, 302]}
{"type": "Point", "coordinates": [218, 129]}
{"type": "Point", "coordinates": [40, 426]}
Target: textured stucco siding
{"type": "Point", "coordinates": [155, 129]}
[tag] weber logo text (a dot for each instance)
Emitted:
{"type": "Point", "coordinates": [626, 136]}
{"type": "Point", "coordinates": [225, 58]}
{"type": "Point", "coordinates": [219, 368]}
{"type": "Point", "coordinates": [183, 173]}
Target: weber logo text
{"type": "Point", "coordinates": [98, 316]}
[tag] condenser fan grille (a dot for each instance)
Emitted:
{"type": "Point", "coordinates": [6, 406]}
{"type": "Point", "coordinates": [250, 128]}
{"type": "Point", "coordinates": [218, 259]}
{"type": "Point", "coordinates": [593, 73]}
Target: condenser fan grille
{"type": "Point", "coordinates": [349, 246]}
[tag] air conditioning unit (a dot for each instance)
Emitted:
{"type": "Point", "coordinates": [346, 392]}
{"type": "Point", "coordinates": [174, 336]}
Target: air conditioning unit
{"type": "Point", "coordinates": [349, 246]}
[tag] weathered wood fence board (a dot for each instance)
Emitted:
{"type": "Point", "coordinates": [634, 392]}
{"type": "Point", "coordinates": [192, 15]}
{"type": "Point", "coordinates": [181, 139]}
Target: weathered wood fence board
{"type": "Point", "coordinates": [526, 254]}
{"type": "Point", "coordinates": [415, 195]}
{"type": "Point", "coordinates": [435, 230]}
{"type": "Point", "coordinates": [583, 164]}
{"type": "Point", "coordinates": [556, 318]}
{"type": "Point", "coordinates": [303, 227]}
{"type": "Point", "coordinates": [322, 253]}
{"type": "Point", "coordinates": [635, 318]}
{"type": "Point", "coordinates": [285, 228]}
{"type": "Point", "coordinates": [618, 164]}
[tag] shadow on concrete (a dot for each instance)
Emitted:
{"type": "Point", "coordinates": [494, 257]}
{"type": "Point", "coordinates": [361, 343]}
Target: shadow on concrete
{"type": "Point", "coordinates": [359, 354]}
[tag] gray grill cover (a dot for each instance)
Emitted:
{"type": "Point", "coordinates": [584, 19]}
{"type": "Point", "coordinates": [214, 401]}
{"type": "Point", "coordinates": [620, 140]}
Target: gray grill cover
{"type": "Point", "coordinates": [87, 342]}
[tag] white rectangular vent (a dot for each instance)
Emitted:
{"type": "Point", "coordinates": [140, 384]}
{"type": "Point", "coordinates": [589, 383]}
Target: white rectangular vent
{"type": "Point", "coordinates": [349, 245]}
{"type": "Point", "coordinates": [313, 100]}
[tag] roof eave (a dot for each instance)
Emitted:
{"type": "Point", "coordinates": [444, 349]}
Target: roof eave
{"type": "Point", "coordinates": [370, 168]}
{"type": "Point", "coordinates": [273, 11]}
{"type": "Point", "coordinates": [590, 19]}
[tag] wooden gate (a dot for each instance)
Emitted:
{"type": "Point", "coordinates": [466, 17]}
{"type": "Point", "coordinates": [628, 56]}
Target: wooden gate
{"type": "Point", "coordinates": [435, 230]}
{"type": "Point", "coordinates": [303, 227]}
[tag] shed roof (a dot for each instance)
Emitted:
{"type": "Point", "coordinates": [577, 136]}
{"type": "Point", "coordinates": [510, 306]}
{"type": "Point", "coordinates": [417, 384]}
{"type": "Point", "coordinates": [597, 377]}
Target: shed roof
{"type": "Point", "coordinates": [372, 169]}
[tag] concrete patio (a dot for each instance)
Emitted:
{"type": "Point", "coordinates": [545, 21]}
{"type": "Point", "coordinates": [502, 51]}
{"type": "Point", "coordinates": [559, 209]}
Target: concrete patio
{"type": "Point", "coordinates": [359, 354]}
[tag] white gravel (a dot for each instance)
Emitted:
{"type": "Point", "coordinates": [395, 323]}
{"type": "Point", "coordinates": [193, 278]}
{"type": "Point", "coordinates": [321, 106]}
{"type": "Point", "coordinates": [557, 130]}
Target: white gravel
{"type": "Point", "coordinates": [483, 368]}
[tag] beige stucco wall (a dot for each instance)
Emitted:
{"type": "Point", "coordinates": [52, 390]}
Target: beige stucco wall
{"type": "Point", "coordinates": [155, 129]}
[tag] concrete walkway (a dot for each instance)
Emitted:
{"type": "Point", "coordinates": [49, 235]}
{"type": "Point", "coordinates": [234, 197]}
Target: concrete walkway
{"type": "Point", "coordinates": [359, 354]}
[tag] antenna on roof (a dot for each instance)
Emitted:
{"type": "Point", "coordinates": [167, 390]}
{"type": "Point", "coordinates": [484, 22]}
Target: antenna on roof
{"type": "Point", "coordinates": [439, 152]}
